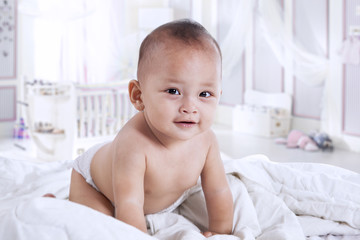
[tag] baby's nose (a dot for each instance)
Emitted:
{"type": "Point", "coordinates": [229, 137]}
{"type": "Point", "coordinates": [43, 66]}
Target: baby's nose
{"type": "Point", "coordinates": [188, 110]}
{"type": "Point", "coordinates": [188, 107]}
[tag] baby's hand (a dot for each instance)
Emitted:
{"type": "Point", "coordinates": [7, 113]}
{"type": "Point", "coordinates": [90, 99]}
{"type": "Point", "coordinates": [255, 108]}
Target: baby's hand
{"type": "Point", "coordinates": [208, 234]}
{"type": "Point", "coordinates": [49, 195]}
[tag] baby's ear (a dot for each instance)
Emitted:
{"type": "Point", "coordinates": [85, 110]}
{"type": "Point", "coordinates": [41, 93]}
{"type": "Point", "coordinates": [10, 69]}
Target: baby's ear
{"type": "Point", "coordinates": [135, 95]}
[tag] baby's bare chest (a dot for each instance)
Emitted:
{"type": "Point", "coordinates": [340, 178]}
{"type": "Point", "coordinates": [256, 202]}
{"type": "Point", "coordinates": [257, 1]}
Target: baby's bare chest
{"type": "Point", "coordinates": [173, 174]}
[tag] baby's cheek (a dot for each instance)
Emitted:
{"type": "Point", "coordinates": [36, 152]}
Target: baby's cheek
{"type": "Point", "coordinates": [208, 122]}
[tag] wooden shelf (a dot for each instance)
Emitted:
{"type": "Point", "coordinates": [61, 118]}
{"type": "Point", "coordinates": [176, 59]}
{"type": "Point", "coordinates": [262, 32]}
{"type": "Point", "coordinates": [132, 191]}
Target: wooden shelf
{"type": "Point", "coordinates": [50, 135]}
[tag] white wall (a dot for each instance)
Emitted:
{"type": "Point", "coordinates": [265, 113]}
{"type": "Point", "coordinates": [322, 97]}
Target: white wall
{"type": "Point", "coordinates": [332, 120]}
{"type": "Point", "coordinates": [24, 65]}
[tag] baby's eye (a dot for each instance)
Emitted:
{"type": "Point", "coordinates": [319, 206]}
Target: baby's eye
{"type": "Point", "coordinates": [205, 94]}
{"type": "Point", "coordinates": [173, 91]}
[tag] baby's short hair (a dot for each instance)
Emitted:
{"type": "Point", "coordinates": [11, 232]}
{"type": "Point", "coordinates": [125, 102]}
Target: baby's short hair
{"type": "Point", "coordinates": [186, 31]}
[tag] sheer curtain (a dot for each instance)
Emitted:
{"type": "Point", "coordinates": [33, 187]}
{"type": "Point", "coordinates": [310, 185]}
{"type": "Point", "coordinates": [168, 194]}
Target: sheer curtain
{"type": "Point", "coordinates": [236, 36]}
{"type": "Point", "coordinates": [86, 40]}
{"type": "Point", "coordinates": [94, 48]}
{"type": "Point", "coordinates": [78, 40]}
{"type": "Point", "coordinates": [310, 68]}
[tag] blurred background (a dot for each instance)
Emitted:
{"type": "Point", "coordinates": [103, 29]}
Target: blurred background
{"type": "Point", "coordinates": [301, 56]}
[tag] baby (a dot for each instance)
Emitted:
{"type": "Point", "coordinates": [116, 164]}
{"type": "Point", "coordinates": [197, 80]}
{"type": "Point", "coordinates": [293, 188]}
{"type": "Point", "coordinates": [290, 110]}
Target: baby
{"type": "Point", "coordinates": [164, 149]}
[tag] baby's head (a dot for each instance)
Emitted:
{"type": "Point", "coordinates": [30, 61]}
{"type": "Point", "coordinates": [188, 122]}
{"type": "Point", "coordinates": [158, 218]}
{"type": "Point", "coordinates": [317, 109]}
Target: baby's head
{"type": "Point", "coordinates": [179, 79]}
{"type": "Point", "coordinates": [171, 36]}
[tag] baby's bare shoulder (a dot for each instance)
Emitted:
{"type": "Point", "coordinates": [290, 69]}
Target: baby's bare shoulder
{"type": "Point", "coordinates": [211, 144]}
{"type": "Point", "coordinates": [131, 139]}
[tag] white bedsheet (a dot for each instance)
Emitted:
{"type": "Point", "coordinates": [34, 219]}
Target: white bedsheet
{"type": "Point", "coordinates": [272, 201]}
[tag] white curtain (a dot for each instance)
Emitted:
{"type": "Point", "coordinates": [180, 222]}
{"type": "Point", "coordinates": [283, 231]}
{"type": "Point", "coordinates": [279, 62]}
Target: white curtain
{"type": "Point", "coordinates": [93, 49]}
{"type": "Point", "coordinates": [236, 36]}
{"type": "Point", "coordinates": [90, 40]}
{"type": "Point", "coordinates": [79, 40]}
{"type": "Point", "coordinates": [110, 51]}
{"type": "Point", "coordinates": [310, 68]}
{"type": "Point", "coordinates": [307, 67]}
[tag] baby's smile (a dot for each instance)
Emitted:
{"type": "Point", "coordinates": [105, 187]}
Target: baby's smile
{"type": "Point", "coordinates": [185, 124]}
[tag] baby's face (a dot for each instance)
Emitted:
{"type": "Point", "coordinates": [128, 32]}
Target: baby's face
{"type": "Point", "coordinates": [181, 91]}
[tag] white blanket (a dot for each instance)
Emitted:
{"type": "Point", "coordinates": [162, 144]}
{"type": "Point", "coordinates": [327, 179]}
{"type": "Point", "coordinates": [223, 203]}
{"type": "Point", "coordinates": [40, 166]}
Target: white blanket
{"type": "Point", "coordinates": [272, 201]}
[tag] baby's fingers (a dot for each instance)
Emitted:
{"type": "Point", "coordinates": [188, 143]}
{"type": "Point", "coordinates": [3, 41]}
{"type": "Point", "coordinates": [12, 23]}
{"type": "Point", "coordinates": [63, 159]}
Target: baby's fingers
{"type": "Point", "coordinates": [207, 234]}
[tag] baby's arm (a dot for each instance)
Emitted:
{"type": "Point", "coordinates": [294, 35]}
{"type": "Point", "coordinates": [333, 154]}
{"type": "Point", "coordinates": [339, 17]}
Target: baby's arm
{"type": "Point", "coordinates": [128, 188]}
{"type": "Point", "coordinates": [218, 196]}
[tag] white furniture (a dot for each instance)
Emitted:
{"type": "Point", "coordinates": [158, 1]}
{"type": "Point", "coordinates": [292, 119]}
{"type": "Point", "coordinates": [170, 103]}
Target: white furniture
{"type": "Point", "coordinates": [101, 110]}
{"type": "Point", "coordinates": [65, 119]}
{"type": "Point", "coordinates": [51, 115]}
{"type": "Point", "coordinates": [263, 114]}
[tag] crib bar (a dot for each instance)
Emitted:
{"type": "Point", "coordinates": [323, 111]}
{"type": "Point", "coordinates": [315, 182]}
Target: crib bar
{"type": "Point", "coordinates": [111, 120]}
{"type": "Point", "coordinates": [81, 116]}
{"type": "Point", "coordinates": [90, 110]}
{"type": "Point", "coordinates": [104, 111]}
{"type": "Point", "coordinates": [93, 115]}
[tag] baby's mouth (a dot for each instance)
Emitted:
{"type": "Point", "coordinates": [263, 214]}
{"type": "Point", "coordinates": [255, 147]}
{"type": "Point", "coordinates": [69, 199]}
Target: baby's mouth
{"type": "Point", "coordinates": [185, 123]}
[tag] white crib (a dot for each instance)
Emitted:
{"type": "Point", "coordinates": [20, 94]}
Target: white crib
{"type": "Point", "coordinates": [77, 116]}
{"type": "Point", "coordinates": [102, 109]}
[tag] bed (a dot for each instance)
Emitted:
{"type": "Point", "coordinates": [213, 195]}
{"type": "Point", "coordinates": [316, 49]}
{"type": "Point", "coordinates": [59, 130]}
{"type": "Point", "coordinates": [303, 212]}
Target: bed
{"type": "Point", "coordinates": [272, 201]}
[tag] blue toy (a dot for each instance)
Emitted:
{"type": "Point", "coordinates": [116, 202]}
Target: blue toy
{"type": "Point", "coordinates": [323, 141]}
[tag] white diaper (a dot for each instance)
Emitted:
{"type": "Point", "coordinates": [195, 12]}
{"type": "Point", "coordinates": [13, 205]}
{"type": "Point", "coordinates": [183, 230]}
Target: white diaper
{"type": "Point", "coordinates": [151, 219]}
{"type": "Point", "coordinates": [182, 198]}
{"type": "Point", "coordinates": [82, 163]}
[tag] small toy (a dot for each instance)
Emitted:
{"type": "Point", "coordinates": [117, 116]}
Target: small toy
{"type": "Point", "coordinates": [20, 130]}
{"type": "Point", "coordinates": [298, 139]}
{"type": "Point", "coordinates": [323, 141]}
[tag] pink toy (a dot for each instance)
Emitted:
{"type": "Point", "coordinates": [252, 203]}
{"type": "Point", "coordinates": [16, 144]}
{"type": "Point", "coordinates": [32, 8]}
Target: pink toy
{"type": "Point", "coordinates": [298, 139]}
